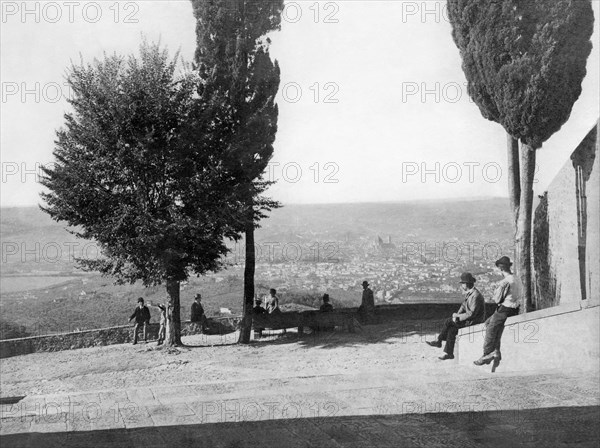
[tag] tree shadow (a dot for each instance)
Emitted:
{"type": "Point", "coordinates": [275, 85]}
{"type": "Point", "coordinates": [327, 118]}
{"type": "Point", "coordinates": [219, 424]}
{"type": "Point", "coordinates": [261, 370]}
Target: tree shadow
{"type": "Point", "coordinates": [392, 332]}
{"type": "Point", "coordinates": [455, 425]}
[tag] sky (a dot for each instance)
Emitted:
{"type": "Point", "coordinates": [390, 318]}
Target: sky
{"type": "Point", "coordinates": [373, 103]}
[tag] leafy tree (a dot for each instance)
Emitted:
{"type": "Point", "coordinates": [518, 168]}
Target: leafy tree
{"type": "Point", "coordinates": [524, 62]}
{"type": "Point", "coordinates": [132, 174]}
{"type": "Point", "coordinates": [239, 83]}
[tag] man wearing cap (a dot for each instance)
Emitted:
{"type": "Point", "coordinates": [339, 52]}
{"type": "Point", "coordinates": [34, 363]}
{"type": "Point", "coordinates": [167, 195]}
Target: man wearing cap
{"type": "Point", "coordinates": [471, 312]}
{"type": "Point", "coordinates": [142, 317]}
{"type": "Point", "coordinates": [508, 297]}
{"type": "Point", "coordinates": [367, 306]}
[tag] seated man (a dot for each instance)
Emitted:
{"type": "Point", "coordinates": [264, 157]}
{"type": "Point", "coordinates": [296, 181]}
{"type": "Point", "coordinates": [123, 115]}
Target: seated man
{"type": "Point", "coordinates": [273, 302]}
{"type": "Point", "coordinates": [326, 307]}
{"type": "Point", "coordinates": [471, 312]}
{"type": "Point", "coordinates": [507, 295]}
{"type": "Point", "coordinates": [258, 310]}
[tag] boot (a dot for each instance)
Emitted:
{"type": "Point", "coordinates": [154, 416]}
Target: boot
{"type": "Point", "coordinates": [484, 359]}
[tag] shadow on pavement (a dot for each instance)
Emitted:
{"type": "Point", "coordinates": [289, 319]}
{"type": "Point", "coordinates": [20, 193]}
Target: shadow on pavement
{"type": "Point", "coordinates": [560, 426]}
{"type": "Point", "coordinates": [401, 331]}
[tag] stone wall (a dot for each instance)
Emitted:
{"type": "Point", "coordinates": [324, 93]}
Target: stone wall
{"type": "Point", "coordinates": [566, 226]}
{"type": "Point", "coordinates": [103, 336]}
{"type": "Point", "coordinates": [427, 312]}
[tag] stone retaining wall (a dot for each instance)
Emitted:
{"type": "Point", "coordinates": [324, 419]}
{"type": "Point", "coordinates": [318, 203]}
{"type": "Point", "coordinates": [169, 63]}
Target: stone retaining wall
{"type": "Point", "coordinates": [561, 337]}
{"type": "Point", "coordinates": [103, 336]}
{"type": "Point", "coordinates": [429, 312]}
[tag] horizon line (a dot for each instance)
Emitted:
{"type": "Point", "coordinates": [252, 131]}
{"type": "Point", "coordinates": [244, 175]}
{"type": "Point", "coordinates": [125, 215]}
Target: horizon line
{"type": "Point", "coordinates": [400, 201]}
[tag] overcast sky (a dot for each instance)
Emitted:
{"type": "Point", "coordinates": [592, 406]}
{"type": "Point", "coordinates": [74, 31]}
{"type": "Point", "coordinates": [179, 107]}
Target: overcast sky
{"type": "Point", "coordinates": [371, 93]}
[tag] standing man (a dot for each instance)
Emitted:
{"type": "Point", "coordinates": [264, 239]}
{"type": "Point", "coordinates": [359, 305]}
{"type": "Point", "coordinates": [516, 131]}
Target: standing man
{"type": "Point", "coordinates": [508, 297]}
{"type": "Point", "coordinates": [366, 310]}
{"type": "Point", "coordinates": [197, 314]}
{"type": "Point", "coordinates": [163, 321]}
{"type": "Point", "coordinates": [142, 317]}
{"type": "Point", "coordinates": [471, 312]}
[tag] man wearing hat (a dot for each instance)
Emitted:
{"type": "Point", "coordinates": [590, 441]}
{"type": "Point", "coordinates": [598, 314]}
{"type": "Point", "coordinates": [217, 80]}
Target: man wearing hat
{"type": "Point", "coordinates": [326, 307]}
{"type": "Point", "coordinates": [367, 306]}
{"type": "Point", "coordinates": [471, 312]}
{"type": "Point", "coordinates": [141, 314]}
{"type": "Point", "coordinates": [258, 310]}
{"type": "Point", "coordinates": [508, 297]}
{"type": "Point", "coordinates": [197, 312]}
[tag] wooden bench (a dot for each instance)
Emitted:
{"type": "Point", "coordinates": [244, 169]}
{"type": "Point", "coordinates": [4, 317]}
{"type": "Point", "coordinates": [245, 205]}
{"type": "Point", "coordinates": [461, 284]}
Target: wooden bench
{"type": "Point", "coordinates": [305, 319]}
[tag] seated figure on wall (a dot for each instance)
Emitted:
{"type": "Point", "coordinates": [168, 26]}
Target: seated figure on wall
{"type": "Point", "coordinates": [471, 312]}
{"type": "Point", "coordinates": [508, 298]}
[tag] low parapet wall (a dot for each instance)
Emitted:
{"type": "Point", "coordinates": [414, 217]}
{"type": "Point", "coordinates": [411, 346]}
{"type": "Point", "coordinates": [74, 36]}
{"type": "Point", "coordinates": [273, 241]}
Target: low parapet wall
{"type": "Point", "coordinates": [564, 336]}
{"type": "Point", "coordinates": [102, 336]}
{"type": "Point", "coordinates": [427, 312]}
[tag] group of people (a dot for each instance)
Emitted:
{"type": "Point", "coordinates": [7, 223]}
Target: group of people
{"type": "Point", "coordinates": [271, 304]}
{"type": "Point", "coordinates": [141, 314]}
{"type": "Point", "coordinates": [472, 311]}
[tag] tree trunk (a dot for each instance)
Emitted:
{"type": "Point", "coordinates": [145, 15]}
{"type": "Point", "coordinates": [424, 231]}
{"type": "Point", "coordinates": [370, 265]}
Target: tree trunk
{"type": "Point", "coordinates": [173, 325]}
{"type": "Point", "coordinates": [249, 269]}
{"type": "Point", "coordinates": [514, 184]}
{"type": "Point", "coordinates": [523, 235]}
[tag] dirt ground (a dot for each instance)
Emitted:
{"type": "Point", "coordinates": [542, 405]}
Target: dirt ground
{"type": "Point", "coordinates": [216, 359]}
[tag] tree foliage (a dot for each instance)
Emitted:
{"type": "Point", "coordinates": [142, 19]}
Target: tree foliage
{"type": "Point", "coordinates": [524, 60]}
{"type": "Point", "coordinates": [129, 175]}
{"type": "Point", "coordinates": [239, 83]}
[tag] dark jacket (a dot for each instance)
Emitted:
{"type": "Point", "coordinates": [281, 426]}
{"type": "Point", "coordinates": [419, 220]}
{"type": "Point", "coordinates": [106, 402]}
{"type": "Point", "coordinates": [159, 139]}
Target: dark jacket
{"type": "Point", "coordinates": [472, 310]}
{"type": "Point", "coordinates": [326, 307]}
{"type": "Point", "coordinates": [197, 312]}
{"type": "Point", "coordinates": [141, 315]}
{"type": "Point", "coordinates": [368, 301]}
{"type": "Point", "coordinates": [259, 310]}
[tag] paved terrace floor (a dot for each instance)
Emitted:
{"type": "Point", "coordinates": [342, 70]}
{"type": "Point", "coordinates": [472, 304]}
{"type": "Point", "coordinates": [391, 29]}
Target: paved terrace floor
{"type": "Point", "coordinates": [382, 387]}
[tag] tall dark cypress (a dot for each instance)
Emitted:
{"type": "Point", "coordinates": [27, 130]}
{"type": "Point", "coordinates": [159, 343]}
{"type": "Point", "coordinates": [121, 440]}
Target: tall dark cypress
{"type": "Point", "coordinates": [524, 61]}
{"type": "Point", "coordinates": [240, 81]}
